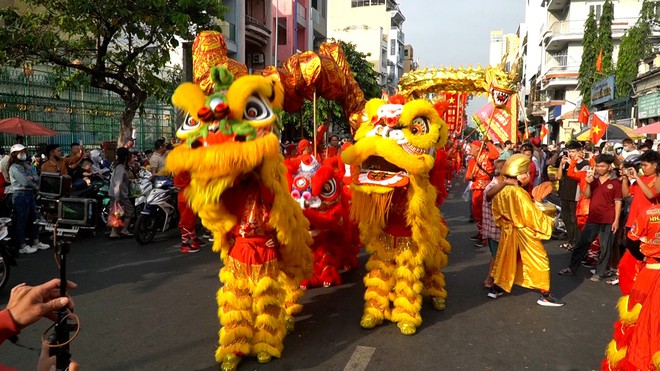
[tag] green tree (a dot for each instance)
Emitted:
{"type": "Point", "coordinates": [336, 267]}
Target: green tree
{"type": "Point", "coordinates": [589, 55]}
{"type": "Point", "coordinates": [300, 124]}
{"type": "Point", "coordinates": [605, 43]}
{"type": "Point", "coordinates": [121, 46]}
{"type": "Point", "coordinates": [635, 44]}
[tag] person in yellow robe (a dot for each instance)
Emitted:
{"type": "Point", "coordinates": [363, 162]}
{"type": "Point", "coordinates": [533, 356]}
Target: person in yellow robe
{"type": "Point", "coordinates": [521, 257]}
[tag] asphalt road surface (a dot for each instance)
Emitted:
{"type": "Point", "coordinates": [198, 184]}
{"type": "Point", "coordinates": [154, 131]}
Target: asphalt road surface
{"type": "Point", "coordinates": [153, 308]}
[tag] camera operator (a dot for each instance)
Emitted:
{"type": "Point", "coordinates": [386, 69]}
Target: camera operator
{"type": "Point", "coordinates": [26, 306]}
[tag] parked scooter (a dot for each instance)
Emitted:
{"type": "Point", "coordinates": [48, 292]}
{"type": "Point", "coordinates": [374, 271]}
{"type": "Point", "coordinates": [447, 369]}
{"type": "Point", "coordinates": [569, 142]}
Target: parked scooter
{"type": "Point", "coordinates": [7, 254]}
{"type": "Point", "coordinates": [160, 212]}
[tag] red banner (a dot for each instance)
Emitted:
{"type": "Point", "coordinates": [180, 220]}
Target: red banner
{"type": "Point", "coordinates": [455, 111]}
{"type": "Point", "coordinates": [500, 123]}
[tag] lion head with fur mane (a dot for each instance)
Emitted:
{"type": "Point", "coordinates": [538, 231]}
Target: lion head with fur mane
{"type": "Point", "coordinates": [229, 135]}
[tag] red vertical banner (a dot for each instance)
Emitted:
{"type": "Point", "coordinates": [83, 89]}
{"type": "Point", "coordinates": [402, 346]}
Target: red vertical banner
{"type": "Point", "coordinates": [460, 116]}
{"type": "Point", "coordinates": [450, 114]}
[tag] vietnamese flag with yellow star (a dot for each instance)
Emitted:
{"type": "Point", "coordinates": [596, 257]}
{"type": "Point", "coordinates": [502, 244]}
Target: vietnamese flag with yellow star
{"type": "Point", "coordinates": [584, 115]}
{"type": "Point", "coordinates": [598, 126]}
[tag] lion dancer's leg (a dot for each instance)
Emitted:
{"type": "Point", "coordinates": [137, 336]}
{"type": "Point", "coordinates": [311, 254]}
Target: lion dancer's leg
{"type": "Point", "coordinates": [379, 281]}
{"type": "Point", "coordinates": [235, 314]}
{"type": "Point", "coordinates": [268, 305]}
{"type": "Point", "coordinates": [408, 288]}
{"type": "Point", "coordinates": [292, 293]}
{"type": "Point", "coordinates": [434, 287]}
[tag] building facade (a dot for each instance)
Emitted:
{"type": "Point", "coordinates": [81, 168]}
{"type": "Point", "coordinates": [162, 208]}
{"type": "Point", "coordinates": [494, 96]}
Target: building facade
{"type": "Point", "coordinates": [301, 25]}
{"type": "Point", "coordinates": [409, 62]}
{"type": "Point", "coordinates": [554, 30]}
{"type": "Point", "coordinates": [503, 47]}
{"type": "Point", "coordinates": [376, 28]}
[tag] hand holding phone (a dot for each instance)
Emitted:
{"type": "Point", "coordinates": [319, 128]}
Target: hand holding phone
{"type": "Point", "coordinates": [590, 175]}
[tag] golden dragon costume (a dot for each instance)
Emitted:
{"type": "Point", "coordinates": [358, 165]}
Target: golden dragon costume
{"type": "Point", "coordinates": [239, 189]}
{"type": "Point", "coordinates": [394, 203]}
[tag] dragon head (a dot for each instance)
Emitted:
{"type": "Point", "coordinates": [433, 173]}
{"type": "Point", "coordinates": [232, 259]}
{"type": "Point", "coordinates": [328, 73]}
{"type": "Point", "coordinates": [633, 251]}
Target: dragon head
{"type": "Point", "coordinates": [235, 126]}
{"type": "Point", "coordinates": [397, 140]}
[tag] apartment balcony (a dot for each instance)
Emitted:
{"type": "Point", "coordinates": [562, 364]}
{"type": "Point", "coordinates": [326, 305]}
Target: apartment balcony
{"type": "Point", "coordinates": [555, 5]}
{"type": "Point", "coordinates": [256, 32]}
{"type": "Point", "coordinates": [301, 14]}
{"type": "Point", "coordinates": [396, 17]}
{"type": "Point", "coordinates": [399, 35]}
{"type": "Point", "coordinates": [320, 23]}
{"type": "Point", "coordinates": [561, 33]}
{"type": "Point", "coordinates": [560, 77]}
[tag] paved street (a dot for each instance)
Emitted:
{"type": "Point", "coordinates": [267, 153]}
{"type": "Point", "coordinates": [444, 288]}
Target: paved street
{"type": "Point", "coordinates": [153, 308]}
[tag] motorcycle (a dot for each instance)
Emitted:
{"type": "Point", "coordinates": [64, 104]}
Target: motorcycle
{"type": "Point", "coordinates": [7, 254]}
{"type": "Point", "coordinates": [160, 212]}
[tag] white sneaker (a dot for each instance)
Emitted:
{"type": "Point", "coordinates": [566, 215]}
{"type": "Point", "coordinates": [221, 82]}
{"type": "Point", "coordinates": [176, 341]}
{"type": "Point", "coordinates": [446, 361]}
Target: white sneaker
{"type": "Point", "coordinates": [41, 246]}
{"type": "Point", "coordinates": [27, 249]}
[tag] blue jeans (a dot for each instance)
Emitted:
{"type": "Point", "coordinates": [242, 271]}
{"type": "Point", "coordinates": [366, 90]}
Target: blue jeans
{"type": "Point", "coordinates": [25, 211]}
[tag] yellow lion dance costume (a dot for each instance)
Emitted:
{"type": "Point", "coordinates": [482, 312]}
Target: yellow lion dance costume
{"type": "Point", "coordinates": [394, 202]}
{"type": "Point", "coordinates": [239, 189]}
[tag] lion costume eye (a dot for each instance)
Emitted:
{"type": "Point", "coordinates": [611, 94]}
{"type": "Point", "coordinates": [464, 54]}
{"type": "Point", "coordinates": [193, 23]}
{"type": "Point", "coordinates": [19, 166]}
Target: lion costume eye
{"type": "Point", "coordinates": [329, 189]}
{"type": "Point", "coordinates": [256, 109]}
{"type": "Point", "coordinates": [189, 124]}
{"type": "Point", "coordinates": [419, 125]}
{"type": "Point", "coordinates": [214, 102]}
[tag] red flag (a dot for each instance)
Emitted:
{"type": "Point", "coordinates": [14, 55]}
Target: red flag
{"type": "Point", "coordinates": [598, 129]}
{"type": "Point", "coordinates": [544, 131]}
{"type": "Point", "coordinates": [599, 62]}
{"type": "Point", "coordinates": [584, 115]}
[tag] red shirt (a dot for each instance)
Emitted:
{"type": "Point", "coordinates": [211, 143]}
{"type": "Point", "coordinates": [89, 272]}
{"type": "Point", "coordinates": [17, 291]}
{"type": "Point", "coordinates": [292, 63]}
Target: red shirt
{"type": "Point", "coordinates": [639, 201]}
{"type": "Point", "coordinates": [601, 208]}
{"type": "Point", "coordinates": [8, 327]}
{"type": "Point", "coordinates": [646, 228]}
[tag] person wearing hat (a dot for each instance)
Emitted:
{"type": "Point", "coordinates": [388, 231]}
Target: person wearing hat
{"type": "Point", "coordinates": [24, 182]}
{"type": "Point", "coordinates": [521, 258]}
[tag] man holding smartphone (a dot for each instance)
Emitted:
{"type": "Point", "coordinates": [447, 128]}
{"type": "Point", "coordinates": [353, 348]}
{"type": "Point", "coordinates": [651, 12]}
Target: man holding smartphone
{"type": "Point", "coordinates": [603, 221]}
{"type": "Point", "coordinates": [640, 187]}
{"type": "Point", "coordinates": [569, 192]}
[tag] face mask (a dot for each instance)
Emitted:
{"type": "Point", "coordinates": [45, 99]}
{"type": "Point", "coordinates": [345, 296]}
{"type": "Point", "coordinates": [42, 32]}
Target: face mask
{"type": "Point", "coordinates": [22, 156]}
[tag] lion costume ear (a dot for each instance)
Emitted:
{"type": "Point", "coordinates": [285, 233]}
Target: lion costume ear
{"type": "Point", "coordinates": [189, 97]}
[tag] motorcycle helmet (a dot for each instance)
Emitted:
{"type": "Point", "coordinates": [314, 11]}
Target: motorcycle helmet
{"type": "Point", "coordinates": [632, 161]}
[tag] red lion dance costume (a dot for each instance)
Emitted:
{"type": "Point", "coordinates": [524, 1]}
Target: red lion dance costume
{"type": "Point", "coordinates": [636, 343]}
{"type": "Point", "coordinates": [394, 203]}
{"type": "Point", "coordinates": [316, 187]}
{"type": "Point", "coordinates": [239, 189]}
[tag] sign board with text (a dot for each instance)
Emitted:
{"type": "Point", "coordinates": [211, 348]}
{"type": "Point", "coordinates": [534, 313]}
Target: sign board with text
{"type": "Point", "coordinates": [602, 91]}
{"type": "Point", "coordinates": [648, 105]}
